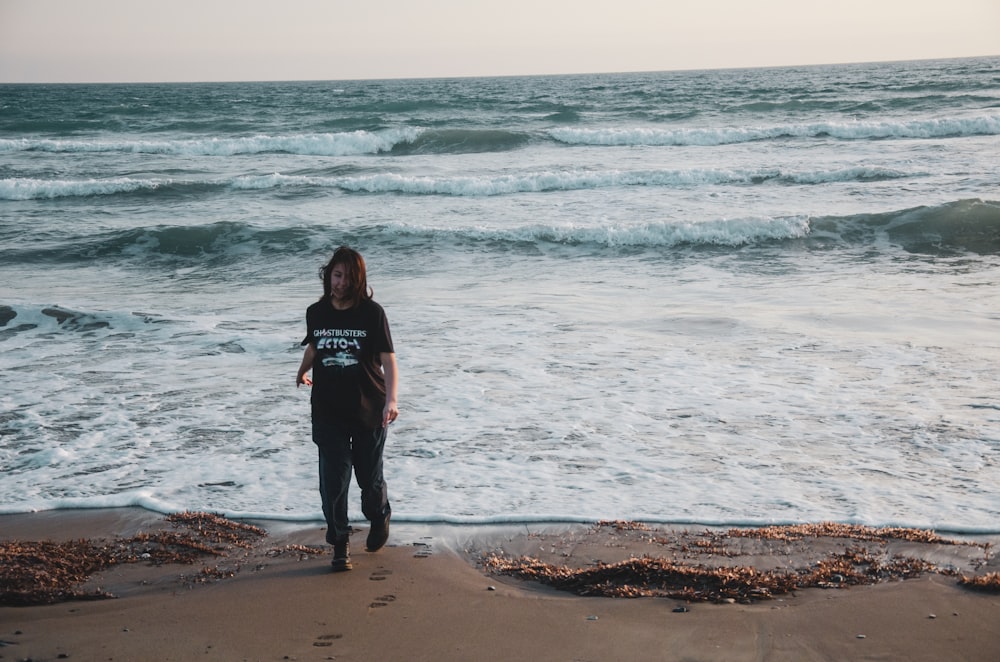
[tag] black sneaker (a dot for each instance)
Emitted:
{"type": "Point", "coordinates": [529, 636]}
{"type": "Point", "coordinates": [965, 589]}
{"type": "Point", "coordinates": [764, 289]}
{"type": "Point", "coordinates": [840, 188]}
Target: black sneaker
{"type": "Point", "coordinates": [378, 534]}
{"type": "Point", "coordinates": [341, 556]}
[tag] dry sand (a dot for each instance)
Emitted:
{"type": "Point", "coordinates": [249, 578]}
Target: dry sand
{"type": "Point", "coordinates": [423, 597]}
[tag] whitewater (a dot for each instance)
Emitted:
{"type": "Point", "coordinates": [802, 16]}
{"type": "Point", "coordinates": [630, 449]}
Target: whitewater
{"type": "Point", "coordinates": [722, 297]}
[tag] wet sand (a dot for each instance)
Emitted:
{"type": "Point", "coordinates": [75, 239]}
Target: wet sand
{"type": "Point", "coordinates": [425, 596]}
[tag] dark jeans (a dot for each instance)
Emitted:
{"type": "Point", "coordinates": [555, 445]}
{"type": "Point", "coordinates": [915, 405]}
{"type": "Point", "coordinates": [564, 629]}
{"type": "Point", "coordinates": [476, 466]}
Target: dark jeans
{"type": "Point", "coordinates": [341, 446]}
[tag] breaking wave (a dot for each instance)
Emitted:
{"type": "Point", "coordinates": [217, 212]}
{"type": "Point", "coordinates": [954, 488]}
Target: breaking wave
{"type": "Point", "coordinates": [971, 226]}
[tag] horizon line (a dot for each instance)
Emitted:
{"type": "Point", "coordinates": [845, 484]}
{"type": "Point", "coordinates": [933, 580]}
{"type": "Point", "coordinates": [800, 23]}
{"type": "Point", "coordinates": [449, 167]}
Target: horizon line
{"type": "Point", "coordinates": [473, 76]}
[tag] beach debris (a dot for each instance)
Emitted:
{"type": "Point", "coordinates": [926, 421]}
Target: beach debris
{"type": "Point", "coordinates": [988, 582]}
{"type": "Point", "coordinates": [649, 577]}
{"type": "Point", "coordinates": [836, 530]}
{"type": "Point", "coordinates": [724, 543]}
{"type": "Point", "coordinates": [863, 559]}
{"type": "Point", "coordinates": [46, 572]}
{"type": "Point", "coordinates": [623, 525]}
{"type": "Point", "coordinates": [304, 551]}
{"type": "Point", "coordinates": [218, 529]}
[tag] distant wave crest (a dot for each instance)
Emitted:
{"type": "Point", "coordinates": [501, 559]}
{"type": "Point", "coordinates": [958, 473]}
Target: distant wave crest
{"type": "Point", "coordinates": [459, 141]}
{"type": "Point", "coordinates": [350, 143]}
{"type": "Point", "coordinates": [409, 140]}
{"type": "Point", "coordinates": [399, 141]}
{"type": "Point", "coordinates": [988, 125]}
{"type": "Point", "coordinates": [35, 189]}
{"type": "Point", "coordinates": [722, 232]}
{"type": "Point", "coordinates": [469, 185]}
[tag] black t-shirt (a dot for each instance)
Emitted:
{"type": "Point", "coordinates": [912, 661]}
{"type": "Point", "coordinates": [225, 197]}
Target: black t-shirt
{"type": "Point", "coordinates": [347, 373]}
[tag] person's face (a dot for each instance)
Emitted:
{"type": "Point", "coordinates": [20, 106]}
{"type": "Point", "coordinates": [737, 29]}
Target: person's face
{"type": "Point", "coordinates": [339, 284]}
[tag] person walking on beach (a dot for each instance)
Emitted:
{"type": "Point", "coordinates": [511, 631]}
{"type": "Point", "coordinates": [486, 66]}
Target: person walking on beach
{"type": "Point", "coordinates": [354, 381]}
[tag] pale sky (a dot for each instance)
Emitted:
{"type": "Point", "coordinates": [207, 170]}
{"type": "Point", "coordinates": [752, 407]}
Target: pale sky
{"type": "Point", "coordinates": [231, 40]}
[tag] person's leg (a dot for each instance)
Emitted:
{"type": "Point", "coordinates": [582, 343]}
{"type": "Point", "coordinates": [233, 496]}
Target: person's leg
{"type": "Point", "coordinates": [367, 455]}
{"type": "Point", "coordinates": [334, 443]}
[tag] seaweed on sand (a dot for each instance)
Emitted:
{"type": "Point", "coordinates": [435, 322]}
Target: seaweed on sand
{"type": "Point", "coordinates": [45, 572]}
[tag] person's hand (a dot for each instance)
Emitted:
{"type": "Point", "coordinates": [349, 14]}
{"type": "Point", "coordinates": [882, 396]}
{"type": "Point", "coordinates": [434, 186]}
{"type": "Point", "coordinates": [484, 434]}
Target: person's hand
{"type": "Point", "coordinates": [390, 413]}
{"type": "Point", "coordinates": [303, 379]}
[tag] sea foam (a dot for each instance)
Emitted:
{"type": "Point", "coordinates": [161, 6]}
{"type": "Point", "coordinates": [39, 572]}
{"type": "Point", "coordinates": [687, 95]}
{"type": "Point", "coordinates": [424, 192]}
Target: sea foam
{"type": "Point", "coordinates": [755, 296]}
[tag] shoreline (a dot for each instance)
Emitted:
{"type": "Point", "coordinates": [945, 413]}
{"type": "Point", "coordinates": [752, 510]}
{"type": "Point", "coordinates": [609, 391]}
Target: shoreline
{"type": "Point", "coordinates": [425, 597]}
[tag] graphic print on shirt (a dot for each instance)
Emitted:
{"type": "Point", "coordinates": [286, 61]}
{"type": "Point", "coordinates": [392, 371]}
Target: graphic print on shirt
{"type": "Point", "coordinates": [341, 346]}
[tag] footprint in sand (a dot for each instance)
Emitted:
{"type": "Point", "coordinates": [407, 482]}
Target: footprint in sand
{"type": "Point", "coordinates": [382, 601]}
{"type": "Point", "coordinates": [380, 575]}
{"type": "Point", "coordinates": [326, 639]}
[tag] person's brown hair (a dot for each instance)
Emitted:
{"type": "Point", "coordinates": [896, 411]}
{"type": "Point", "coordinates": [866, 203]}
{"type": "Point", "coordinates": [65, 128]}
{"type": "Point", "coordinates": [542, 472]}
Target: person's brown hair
{"type": "Point", "coordinates": [354, 268]}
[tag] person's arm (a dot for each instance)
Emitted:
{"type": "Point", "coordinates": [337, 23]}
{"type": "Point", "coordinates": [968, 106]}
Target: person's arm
{"type": "Point", "coordinates": [391, 411]}
{"type": "Point", "coordinates": [306, 366]}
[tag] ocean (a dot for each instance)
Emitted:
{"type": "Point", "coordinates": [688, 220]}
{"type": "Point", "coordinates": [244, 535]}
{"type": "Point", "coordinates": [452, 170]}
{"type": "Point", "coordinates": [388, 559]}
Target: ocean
{"type": "Point", "coordinates": [729, 297]}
